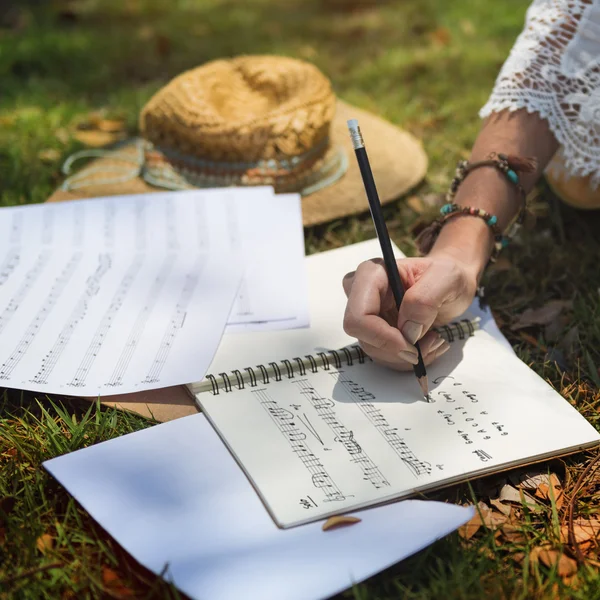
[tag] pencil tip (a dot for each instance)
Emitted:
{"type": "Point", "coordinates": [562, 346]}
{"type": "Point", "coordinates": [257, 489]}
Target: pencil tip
{"type": "Point", "coordinates": [424, 384]}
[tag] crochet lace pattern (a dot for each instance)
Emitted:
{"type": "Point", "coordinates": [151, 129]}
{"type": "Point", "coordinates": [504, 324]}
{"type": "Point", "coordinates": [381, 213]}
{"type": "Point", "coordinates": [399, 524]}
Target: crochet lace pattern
{"type": "Point", "coordinates": [554, 70]}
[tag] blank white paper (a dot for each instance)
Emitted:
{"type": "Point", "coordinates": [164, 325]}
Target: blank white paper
{"type": "Point", "coordinates": [172, 495]}
{"type": "Point", "coordinates": [114, 295]}
{"type": "Point", "coordinates": [267, 234]}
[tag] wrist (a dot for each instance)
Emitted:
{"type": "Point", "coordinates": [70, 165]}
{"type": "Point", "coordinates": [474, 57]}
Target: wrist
{"type": "Point", "coordinates": [466, 240]}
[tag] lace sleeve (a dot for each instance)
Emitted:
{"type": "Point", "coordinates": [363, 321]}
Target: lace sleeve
{"type": "Point", "coordinates": [553, 69]}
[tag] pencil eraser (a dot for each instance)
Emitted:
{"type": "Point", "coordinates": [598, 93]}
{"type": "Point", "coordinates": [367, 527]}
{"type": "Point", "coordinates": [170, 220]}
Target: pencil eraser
{"type": "Point", "coordinates": [352, 123]}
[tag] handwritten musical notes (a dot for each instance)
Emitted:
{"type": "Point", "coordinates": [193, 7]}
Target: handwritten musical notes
{"type": "Point", "coordinates": [114, 295]}
{"type": "Point", "coordinates": [353, 431]}
{"type": "Point", "coordinates": [285, 422]}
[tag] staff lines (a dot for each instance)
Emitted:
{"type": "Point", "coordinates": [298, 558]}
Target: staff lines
{"type": "Point", "coordinates": [176, 321]}
{"type": "Point", "coordinates": [77, 315]}
{"type": "Point", "coordinates": [31, 332]}
{"type": "Point", "coordinates": [106, 323]}
{"type": "Point", "coordinates": [137, 330]}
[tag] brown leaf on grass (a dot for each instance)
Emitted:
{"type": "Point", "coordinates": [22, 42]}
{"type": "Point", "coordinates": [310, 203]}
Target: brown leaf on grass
{"type": "Point", "coordinates": [49, 154]}
{"type": "Point", "coordinates": [113, 582]}
{"type": "Point", "coordinates": [339, 521]}
{"type": "Point", "coordinates": [532, 481]}
{"type": "Point", "coordinates": [470, 528]}
{"type": "Point", "coordinates": [584, 530]}
{"type": "Point", "coordinates": [97, 139]}
{"type": "Point", "coordinates": [510, 494]}
{"type": "Point", "coordinates": [62, 135]}
{"type": "Point", "coordinates": [503, 508]}
{"type": "Point", "coordinates": [512, 534]}
{"type": "Point", "coordinates": [565, 565]}
{"type": "Point", "coordinates": [111, 125]}
{"type": "Point", "coordinates": [485, 517]}
{"type": "Point", "coordinates": [416, 204]}
{"type": "Point", "coordinates": [543, 490]}
{"type": "Point", "coordinates": [467, 27]}
{"type": "Point", "coordinates": [543, 315]}
{"type": "Point", "coordinates": [441, 36]}
{"type": "Point", "coordinates": [44, 543]}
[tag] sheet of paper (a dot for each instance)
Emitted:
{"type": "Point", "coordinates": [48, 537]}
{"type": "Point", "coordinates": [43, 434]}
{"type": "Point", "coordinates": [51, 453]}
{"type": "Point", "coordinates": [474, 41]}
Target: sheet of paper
{"type": "Point", "coordinates": [172, 495]}
{"type": "Point", "coordinates": [336, 439]}
{"type": "Point", "coordinates": [267, 234]}
{"type": "Point", "coordinates": [114, 295]}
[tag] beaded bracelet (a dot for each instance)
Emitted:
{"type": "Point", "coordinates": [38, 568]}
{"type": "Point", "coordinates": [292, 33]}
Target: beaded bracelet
{"type": "Point", "coordinates": [428, 236]}
{"type": "Point", "coordinates": [509, 166]}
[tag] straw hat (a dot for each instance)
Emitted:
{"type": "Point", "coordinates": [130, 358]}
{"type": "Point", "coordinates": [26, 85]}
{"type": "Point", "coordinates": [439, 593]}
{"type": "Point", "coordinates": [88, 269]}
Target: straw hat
{"type": "Point", "coordinates": [254, 120]}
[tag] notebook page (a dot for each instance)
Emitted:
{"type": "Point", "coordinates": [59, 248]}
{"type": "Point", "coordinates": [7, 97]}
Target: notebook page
{"type": "Point", "coordinates": [338, 439]}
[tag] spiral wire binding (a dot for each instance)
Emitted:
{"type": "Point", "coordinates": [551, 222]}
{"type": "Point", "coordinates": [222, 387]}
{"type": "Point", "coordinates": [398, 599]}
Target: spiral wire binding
{"type": "Point", "coordinates": [337, 359]}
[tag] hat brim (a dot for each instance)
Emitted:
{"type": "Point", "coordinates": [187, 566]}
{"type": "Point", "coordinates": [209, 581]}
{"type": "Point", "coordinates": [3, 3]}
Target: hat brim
{"type": "Point", "coordinates": [397, 159]}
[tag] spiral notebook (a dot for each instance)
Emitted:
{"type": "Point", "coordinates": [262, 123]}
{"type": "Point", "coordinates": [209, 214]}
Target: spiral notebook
{"type": "Point", "coordinates": [320, 429]}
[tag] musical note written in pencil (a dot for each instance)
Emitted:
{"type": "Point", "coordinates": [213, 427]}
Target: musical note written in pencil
{"type": "Point", "coordinates": [344, 436]}
{"type": "Point", "coordinates": [470, 422]}
{"type": "Point", "coordinates": [390, 434]}
{"type": "Point", "coordinates": [285, 422]}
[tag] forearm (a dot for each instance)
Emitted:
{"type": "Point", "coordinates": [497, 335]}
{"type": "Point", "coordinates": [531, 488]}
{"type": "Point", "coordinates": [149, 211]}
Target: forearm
{"type": "Point", "coordinates": [520, 134]}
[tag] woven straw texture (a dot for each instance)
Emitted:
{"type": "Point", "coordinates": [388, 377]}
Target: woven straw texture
{"type": "Point", "coordinates": [242, 109]}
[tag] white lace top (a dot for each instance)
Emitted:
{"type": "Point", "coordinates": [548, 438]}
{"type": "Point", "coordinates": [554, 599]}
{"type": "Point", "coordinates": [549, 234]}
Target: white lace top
{"type": "Point", "coordinates": [554, 70]}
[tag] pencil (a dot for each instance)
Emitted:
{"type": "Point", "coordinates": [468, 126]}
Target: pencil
{"type": "Point", "coordinates": [384, 239]}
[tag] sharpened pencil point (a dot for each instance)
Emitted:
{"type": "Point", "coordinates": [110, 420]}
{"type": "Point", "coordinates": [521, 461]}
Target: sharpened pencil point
{"type": "Point", "coordinates": [424, 384]}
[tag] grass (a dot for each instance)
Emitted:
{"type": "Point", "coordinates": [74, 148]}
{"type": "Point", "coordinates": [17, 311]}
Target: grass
{"type": "Point", "coordinates": [427, 65]}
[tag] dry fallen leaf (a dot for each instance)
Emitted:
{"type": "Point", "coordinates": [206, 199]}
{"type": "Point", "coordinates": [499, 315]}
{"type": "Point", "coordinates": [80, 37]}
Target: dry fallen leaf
{"type": "Point", "coordinates": [467, 27]}
{"type": "Point", "coordinates": [339, 521]}
{"type": "Point", "coordinates": [441, 36]}
{"type": "Point", "coordinates": [44, 543]}
{"type": "Point", "coordinates": [111, 125]}
{"type": "Point", "coordinates": [510, 494]}
{"type": "Point", "coordinates": [543, 315]}
{"type": "Point", "coordinates": [543, 490]}
{"type": "Point", "coordinates": [470, 528]}
{"type": "Point", "coordinates": [49, 154]}
{"type": "Point", "coordinates": [565, 566]}
{"type": "Point", "coordinates": [62, 135]}
{"type": "Point", "coordinates": [97, 139]}
{"type": "Point", "coordinates": [531, 481]}
{"type": "Point", "coordinates": [512, 534]}
{"type": "Point", "coordinates": [503, 508]}
{"type": "Point", "coordinates": [416, 204]}
{"type": "Point", "coordinates": [584, 530]}
{"type": "Point", "coordinates": [114, 583]}
{"type": "Point", "coordinates": [484, 516]}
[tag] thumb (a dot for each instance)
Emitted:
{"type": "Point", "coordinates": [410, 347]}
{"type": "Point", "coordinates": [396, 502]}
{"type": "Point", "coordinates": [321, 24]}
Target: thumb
{"type": "Point", "coordinates": [421, 304]}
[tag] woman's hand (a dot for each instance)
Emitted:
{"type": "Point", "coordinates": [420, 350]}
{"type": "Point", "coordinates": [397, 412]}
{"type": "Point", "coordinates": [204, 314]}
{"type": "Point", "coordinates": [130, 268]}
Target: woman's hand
{"type": "Point", "coordinates": [437, 289]}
